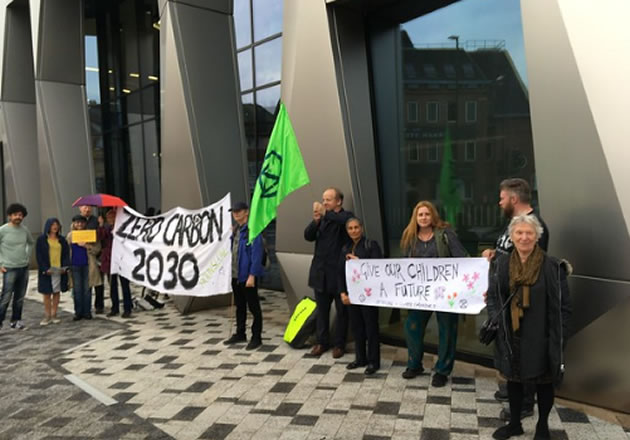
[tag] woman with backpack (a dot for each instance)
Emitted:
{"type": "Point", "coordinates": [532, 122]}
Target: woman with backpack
{"type": "Point", "coordinates": [363, 319]}
{"type": "Point", "coordinates": [428, 236]}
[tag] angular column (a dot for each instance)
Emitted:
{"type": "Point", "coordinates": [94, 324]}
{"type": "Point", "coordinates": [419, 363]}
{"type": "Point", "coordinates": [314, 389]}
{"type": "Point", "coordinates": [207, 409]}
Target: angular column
{"type": "Point", "coordinates": [65, 151]}
{"type": "Point", "coordinates": [203, 139]}
{"type": "Point", "coordinates": [17, 111]}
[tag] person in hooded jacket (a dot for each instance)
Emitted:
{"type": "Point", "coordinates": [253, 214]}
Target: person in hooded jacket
{"type": "Point", "coordinates": [529, 292]}
{"type": "Point", "coordinates": [53, 259]}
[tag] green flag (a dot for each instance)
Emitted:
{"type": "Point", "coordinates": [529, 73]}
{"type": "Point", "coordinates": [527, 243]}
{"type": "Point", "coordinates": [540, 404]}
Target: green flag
{"type": "Point", "coordinates": [283, 172]}
{"type": "Point", "coordinates": [448, 191]}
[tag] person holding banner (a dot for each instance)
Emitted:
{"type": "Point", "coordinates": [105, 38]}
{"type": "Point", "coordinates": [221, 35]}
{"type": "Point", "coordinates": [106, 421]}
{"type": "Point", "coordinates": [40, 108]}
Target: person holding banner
{"type": "Point", "coordinates": [105, 235]}
{"type": "Point", "coordinates": [428, 236]}
{"type": "Point", "coordinates": [53, 261]}
{"type": "Point", "coordinates": [363, 319]}
{"type": "Point", "coordinates": [246, 266]}
{"type": "Point", "coordinates": [97, 282]}
{"type": "Point", "coordinates": [529, 292]}
{"type": "Point", "coordinates": [328, 231]}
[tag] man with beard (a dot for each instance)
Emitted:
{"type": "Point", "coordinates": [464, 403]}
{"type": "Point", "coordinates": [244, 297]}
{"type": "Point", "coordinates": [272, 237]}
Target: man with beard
{"type": "Point", "coordinates": [514, 200]}
{"type": "Point", "coordinates": [16, 243]}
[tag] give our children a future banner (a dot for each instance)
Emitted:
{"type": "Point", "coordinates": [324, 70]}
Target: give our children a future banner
{"type": "Point", "coordinates": [456, 285]}
{"type": "Point", "coordinates": [181, 252]}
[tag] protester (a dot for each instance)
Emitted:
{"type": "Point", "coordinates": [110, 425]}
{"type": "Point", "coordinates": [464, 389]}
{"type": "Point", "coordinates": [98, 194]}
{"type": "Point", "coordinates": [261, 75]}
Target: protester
{"type": "Point", "coordinates": [428, 236]}
{"type": "Point", "coordinates": [514, 200]}
{"type": "Point", "coordinates": [53, 261]}
{"type": "Point", "coordinates": [83, 256]}
{"type": "Point", "coordinates": [246, 266]}
{"type": "Point", "coordinates": [533, 327]}
{"type": "Point", "coordinates": [363, 319]}
{"type": "Point", "coordinates": [16, 244]}
{"type": "Point", "coordinates": [105, 236]}
{"type": "Point", "coordinates": [328, 231]}
{"type": "Point", "coordinates": [92, 223]}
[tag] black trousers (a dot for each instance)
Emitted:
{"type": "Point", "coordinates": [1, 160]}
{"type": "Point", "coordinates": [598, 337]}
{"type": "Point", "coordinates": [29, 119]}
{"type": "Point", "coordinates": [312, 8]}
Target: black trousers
{"type": "Point", "coordinates": [244, 298]}
{"type": "Point", "coordinates": [364, 325]}
{"type": "Point", "coordinates": [99, 297]}
{"type": "Point", "coordinates": [324, 300]}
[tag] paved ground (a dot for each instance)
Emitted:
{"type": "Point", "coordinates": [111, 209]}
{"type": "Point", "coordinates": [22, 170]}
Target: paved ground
{"type": "Point", "coordinates": [162, 375]}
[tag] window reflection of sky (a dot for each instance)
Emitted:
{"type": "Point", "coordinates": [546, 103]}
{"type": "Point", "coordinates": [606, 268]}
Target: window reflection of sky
{"type": "Point", "coordinates": [474, 20]}
{"type": "Point", "coordinates": [267, 18]}
{"type": "Point", "coordinates": [91, 69]}
{"type": "Point", "coordinates": [268, 61]}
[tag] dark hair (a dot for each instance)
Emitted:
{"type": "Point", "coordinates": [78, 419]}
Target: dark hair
{"type": "Point", "coordinates": [338, 193]}
{"type": "Point", "coordinates": [79, 218]}
{"type": "Point", "coordinates": [354, 219]}
{"type": "Point", "coordinates": [14, 208]}
{"type": "Point", "coordinates": [519, 187]}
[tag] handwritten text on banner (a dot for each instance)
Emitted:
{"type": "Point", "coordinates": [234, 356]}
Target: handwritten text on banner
{"type": "Point", "coordinates": [185, 252]}
{"type": "Point", "coordinates": [456, 285]}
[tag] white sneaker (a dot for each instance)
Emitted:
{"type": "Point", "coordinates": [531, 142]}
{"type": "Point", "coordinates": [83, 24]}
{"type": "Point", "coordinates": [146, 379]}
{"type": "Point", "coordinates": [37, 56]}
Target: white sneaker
{"type": "Point", "coordinates": [55, 320]}
{"type": "Point", "coordinates": [45, 321]}
{"type": "Point", "coordinates": [18, 325]}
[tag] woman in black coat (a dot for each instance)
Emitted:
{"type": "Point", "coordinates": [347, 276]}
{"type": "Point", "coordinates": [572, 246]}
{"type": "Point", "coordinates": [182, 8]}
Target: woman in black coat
{"type": "Point", "coordinates": [533, 325]}
{"type": "Point", "coordinates": [53, 258]}
{"type": "Point", "coordinates": [363, 319]}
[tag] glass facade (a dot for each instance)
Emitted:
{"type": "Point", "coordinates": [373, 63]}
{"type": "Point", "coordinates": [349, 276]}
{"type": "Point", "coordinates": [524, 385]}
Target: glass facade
{"type": "Point", "coordinates": [122, 87]}
{"type": "Point", "coordinates": [258, 25]}
{"type": "Point", "coordinates": [463, 126]}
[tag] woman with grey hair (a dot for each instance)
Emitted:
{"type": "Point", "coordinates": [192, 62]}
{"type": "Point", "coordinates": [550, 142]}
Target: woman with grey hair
{"type": "Point", "coordinates": [532, 327]}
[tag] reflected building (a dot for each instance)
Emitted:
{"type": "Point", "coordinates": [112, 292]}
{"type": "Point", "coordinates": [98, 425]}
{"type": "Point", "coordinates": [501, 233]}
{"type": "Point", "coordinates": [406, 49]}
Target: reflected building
{"type": "Point", "coordinates": [392, 101]}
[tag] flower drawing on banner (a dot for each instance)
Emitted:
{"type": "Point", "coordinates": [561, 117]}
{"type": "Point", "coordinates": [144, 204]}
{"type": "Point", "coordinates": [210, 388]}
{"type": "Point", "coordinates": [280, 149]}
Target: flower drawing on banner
{"type": "Point", "coordinates": [356, 276]}
{"type": "Point", "coordinates": [368, 291]}
{"type": "Point", "coordinates": [439, 292]}
{"type": "Point", "coordinates": [471, 280]}
{"type": "Point", "coordinates": [451, 299]}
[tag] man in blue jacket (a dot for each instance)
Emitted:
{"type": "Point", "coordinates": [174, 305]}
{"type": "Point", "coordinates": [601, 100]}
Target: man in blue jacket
{"type": "Point", "coordinates": [246, 266]}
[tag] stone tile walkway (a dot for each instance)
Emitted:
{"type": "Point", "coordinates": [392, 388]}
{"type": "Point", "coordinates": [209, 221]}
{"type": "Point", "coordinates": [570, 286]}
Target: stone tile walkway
{"type": "Point", "coordinates": [162, 375]}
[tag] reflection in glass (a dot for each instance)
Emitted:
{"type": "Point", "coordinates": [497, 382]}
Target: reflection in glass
{"type": "Point", "coordinates": [268, 62]}
{"type": "Point", "coordinates": [473, 127]}
{"type": "Point", "coordinates": [242, 23]}
{"type": "Point", "coordinates": [152, 164]}
{"type": "Point", "coordinates": [245, 69]}
{"type": "Point", "coordinates": [267, 18]}
{"type": "Point", "coordinates": [268, 99]}
{"type": "Point", "coordinates": [92, 86]}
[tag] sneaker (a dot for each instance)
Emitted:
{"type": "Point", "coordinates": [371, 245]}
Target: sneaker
{"type": "Point", "coordinates": [76, 318]}
{"type": "Point", "coordinates": [126, 315]}
{"type": "Point", "coordinates": [45, 321]}
{"type": "Point", "coordinates": [507, 431]}
{"type": "Point", "coordinates": [501, 396]}
{"type": "Point", "coordinates": [112, 314]}
{"type": "Point", "coordinates": [254, 343]}
{"type": "Point", "coordinates": [18, 325]}
{"type": "Point", "coordinates": [410, 373]}
{"type": "Point", "coordinates": [525, 412]}
{"type": "Point", "coordinates": [55, 320]}
{"type": "Point", "coordinates": [235, 339]}
{"type": "Point", "coordinates": [439, 380]}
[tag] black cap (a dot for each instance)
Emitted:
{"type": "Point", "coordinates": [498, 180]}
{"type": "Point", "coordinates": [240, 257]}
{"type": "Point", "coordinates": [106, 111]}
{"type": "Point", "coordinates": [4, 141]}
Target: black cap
{"type": "Point", "coordinates": [79, 218]}
{"type": "Point", "coordinates": [239, 206]}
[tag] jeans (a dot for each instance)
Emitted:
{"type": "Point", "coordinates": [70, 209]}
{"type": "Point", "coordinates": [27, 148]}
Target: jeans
{"type": "Point", "coordinates": [126, 293]}
{"type": "Point", "coordinates": [245, 297]}
{"type": "Point", "coordinates": [14, 281]}
{"type": "Point", "coordinates": [324, 300]}
{"type": "Point", "coordinates": [81, 292]}
{"type": "Point", "coordinates": [415, 327]}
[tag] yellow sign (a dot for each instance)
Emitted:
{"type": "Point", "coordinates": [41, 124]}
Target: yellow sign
{"type": "Point", "coordinates": [84, 236]}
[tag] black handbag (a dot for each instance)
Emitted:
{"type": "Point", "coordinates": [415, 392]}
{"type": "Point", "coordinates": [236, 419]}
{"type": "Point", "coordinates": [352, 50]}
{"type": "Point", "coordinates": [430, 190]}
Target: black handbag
{"type": "Point", "coordinates": [490, 327]}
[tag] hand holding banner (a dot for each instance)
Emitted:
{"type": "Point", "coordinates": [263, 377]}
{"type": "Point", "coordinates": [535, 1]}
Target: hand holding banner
{"type": "Point", "coordinates": [456, 285]}
{"type": "Point", "coordinates": [181, 252]}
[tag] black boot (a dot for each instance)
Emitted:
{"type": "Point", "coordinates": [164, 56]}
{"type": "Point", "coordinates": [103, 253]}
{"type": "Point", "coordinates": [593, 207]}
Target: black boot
{"type": "Point", "coordinates": [507, 431]}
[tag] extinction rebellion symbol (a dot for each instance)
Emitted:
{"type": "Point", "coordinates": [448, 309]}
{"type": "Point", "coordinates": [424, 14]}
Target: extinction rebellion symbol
{"type": "Point", "coordinates": [270, 175]}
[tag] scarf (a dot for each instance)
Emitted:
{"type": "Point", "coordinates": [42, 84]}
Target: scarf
{"type": "Point", "coordinates": [522, 276]}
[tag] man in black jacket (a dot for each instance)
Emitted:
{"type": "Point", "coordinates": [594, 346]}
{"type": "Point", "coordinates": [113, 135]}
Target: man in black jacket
{"type": "Point", "coordinates": [328, 232]}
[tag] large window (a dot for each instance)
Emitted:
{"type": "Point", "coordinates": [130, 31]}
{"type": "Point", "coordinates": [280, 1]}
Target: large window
{"type": "Point", "coordinates": [122, 87]}
{"type": "Point", "coordinates": [258, 26]}
{"type": "Point", "coordinates": [476, 115]}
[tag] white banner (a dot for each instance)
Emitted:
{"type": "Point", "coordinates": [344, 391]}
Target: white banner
{"type": "Point", "coordinates": [456, 285]}
{"type": "Point", "coordinates": [181, 252]}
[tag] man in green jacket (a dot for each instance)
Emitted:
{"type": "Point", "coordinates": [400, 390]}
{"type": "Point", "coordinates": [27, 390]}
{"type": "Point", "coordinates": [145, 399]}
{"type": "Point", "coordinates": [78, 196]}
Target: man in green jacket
{"type": "Point", "coordinates": [16, 244]}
